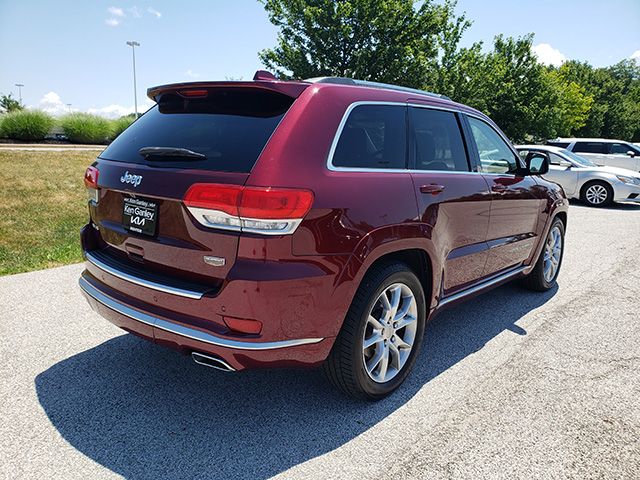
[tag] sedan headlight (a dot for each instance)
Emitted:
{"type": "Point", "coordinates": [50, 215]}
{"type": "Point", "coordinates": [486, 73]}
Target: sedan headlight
{"type": "Point", "coordinates": [628, 180]}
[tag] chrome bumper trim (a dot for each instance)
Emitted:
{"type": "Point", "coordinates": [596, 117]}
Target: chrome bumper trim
{"type": "Point", "coordinates": [141, 281]}
{"type": "Point", "coordinates": [183, 331]}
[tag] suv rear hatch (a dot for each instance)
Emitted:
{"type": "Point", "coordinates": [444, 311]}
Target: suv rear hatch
{"type": "Point", "coordinates": [198, 133]}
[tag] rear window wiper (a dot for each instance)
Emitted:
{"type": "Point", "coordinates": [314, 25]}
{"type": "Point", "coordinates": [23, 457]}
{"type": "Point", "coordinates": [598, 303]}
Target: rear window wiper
{"type": "Point", "coordinates": [150, 152]}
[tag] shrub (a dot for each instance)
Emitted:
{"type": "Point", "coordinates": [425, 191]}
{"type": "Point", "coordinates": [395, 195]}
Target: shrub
{"type": "Point", "coordinates": [86, 128]}
{"type": "Point", "coordinates": [121, 124]}
{"type": "Point", "coordinates": [26, 125]}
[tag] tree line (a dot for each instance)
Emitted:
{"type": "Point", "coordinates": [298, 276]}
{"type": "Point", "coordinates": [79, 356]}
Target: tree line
{"type": "Point", "coordinates": [418, 44]}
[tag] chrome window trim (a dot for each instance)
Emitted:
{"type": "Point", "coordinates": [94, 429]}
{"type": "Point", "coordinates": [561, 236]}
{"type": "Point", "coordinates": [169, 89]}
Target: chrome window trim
{"type": "Point", "coordinates": [336, 138]}
{"type": "Point", "coordinates": [182, 330]}
{"type": "Point", "coordinates": [141, 281]}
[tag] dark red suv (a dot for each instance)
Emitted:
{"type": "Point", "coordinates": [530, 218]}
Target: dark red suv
{"type": "Point", "coordinates": [304, 223]}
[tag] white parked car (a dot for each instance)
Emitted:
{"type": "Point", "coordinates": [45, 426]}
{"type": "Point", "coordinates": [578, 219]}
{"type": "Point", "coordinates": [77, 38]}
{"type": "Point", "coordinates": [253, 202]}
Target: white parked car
{"type": "Point", "coordinates": [580, 178]}
{"type": "Point", "coordinates": [601, 151]}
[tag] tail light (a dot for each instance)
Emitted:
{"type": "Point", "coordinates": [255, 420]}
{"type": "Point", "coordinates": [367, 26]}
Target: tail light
{"type": "Point", "coordinates": [91, 182]}
{"type": "Point", "coordinates": [266, 210]}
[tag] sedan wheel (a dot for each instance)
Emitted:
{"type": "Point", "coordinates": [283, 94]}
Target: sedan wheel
{"type": "Point", "coordinates": [597, 194]}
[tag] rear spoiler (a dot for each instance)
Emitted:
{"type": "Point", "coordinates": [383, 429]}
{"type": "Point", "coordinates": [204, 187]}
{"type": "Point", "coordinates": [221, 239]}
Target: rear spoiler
{"type": "Point", "coordinates": [261, 80]}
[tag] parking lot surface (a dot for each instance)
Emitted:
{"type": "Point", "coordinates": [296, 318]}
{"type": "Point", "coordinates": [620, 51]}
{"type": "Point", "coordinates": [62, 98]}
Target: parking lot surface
{"type": "Point", "coordinates": [512, 384]}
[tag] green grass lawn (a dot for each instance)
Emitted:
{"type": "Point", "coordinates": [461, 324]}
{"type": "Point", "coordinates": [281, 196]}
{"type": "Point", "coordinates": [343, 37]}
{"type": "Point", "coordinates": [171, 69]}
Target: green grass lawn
{"type": "Point", "coordinates": [42, 207]}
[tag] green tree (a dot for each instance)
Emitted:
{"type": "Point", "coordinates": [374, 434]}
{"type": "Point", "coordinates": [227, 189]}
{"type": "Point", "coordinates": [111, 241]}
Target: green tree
{"type": "Point", "coordinates": [9, 104]}
{"type": "Point", "coordinates": [393, 41]}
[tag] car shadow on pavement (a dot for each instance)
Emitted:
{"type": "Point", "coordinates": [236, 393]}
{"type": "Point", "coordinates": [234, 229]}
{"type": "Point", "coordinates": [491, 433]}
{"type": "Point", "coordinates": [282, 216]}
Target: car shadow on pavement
{"type": "Point", "coordinates": [613, 206]}
{"type": "Point", "coordinates": [146, 412]}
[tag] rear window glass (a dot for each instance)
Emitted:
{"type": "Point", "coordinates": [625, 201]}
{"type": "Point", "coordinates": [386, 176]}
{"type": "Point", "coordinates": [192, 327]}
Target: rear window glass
{"type": "Point", "coordinates": [230, 127]}
{"type": "Point", "coordinates": [374, 136]}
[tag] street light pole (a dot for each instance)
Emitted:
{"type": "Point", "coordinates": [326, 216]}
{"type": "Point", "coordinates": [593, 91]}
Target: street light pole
{"type": "Point", "coordinates": [20, 85]}
{"type": "Point", "coordinates": [69, 107]}
{"type": "Point", "coordinates": [133, 46]}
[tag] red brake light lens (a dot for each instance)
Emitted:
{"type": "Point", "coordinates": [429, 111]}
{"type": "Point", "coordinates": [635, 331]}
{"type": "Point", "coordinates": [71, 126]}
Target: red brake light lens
{"type": "Point", "coordinates": [274, 203]}
{"type": "Point", "coordinates": [251, 202]}
{"type": "Point", "coordinates": [91, 177]}
{"type": "Point", "coordinates": [211, 196]}
{"type": "Point", "coordinates": [194, 93]}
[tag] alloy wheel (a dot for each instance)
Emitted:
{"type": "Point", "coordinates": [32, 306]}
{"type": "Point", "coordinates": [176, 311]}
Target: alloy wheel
{"type": "Point", "coordinates": [390, 332]}
{"type": "Point", "coordinates": [552, 254]}
{"type": "Point", "coordinates": [596, 194]}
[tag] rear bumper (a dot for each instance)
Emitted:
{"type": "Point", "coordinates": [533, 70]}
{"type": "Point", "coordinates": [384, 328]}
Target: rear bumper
{"type": "Point", "coordinates": [146, 322]}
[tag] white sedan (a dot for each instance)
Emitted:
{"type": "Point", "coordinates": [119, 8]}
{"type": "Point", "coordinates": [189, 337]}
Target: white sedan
{"type": "Point", "coordinates": [580, 178]}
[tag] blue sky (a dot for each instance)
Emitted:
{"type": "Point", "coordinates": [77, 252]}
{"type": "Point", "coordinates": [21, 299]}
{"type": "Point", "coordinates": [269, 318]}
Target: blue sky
{"type": "Point", "coordinates": [75, 52]}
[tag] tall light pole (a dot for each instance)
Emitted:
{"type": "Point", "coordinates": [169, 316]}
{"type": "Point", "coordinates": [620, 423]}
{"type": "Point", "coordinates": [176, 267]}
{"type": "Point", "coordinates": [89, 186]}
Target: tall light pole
{"type": "Point", "coordinates": [133, 46]}
{"type": "Point", "coordinates": [20, 85]}
{"type": "Point", "coordinates": [69, 107]}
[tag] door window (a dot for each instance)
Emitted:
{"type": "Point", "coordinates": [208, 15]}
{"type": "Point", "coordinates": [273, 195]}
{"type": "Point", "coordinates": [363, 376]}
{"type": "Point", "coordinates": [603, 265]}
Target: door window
{"type": "Point", "coordinates": [495, 154]}
{"type": "Point", "coordinates": [374, 136]}
{"type": "Point", "coordinates": [589, 147]}
{"type": "Point", "coordinates": [436, 141]}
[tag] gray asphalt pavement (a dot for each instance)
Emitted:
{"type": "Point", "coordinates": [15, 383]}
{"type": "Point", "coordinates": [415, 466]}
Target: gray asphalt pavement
{"type": "Point", "coordinates": [512, 384]}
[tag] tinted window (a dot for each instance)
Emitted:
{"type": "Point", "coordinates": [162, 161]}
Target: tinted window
{"type": "Point", "coordinates": [495, 154]}
{"type": "Point", "coordinates": [374, 136]}
{"type": "Point", "coordinates": [621, 148]}
{"type": "Point", "coordinates": [230, 127]}
{"type": "Point", "coordinates": [589, 147]}
{"type": "Point", "coordinates": [436, 141]}
{"type": "Point", "coordinates": [558, 144]}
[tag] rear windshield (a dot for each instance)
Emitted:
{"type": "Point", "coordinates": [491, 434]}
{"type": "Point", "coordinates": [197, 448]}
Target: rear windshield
{"type": "Point", "coordinates": [230, 127]}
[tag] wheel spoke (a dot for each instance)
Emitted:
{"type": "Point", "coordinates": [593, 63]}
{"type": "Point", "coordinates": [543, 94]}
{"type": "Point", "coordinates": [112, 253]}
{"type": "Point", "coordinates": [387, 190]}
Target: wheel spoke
{"type": "Point", "coordinates": [375, 323]}
{"type": "Point", "coordinates": [372, 340]}
{"type": "Point", "coordinates": [396, 296]}
{"type": "Point", "coordinates": [405, 321]}
{"type": "Point", "coordinates": [384, 364]}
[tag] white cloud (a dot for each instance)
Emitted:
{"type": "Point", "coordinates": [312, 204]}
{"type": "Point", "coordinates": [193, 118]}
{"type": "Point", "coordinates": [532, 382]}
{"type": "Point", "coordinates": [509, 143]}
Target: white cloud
{"type": "Point", "coordinates": [547, 55]}
{"type": "Point", "coordinates": [112, 22]}
{"type": "Point", "coordinates": [155, 12]}
{"type": "Point", "coordinates": [53, 104]}
{"type": "Point", "coordinates": [635, 56]}
{"type": "Point", "coordinates": [112, 111]}
{"type": "Point", "coordinates": [116, 11]}
{"type": "Point", "coordinates": [191, 74]}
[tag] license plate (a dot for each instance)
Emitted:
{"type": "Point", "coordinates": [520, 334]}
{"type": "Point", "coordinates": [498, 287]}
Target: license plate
{"type": "Point", "coordinates": [140, 215]}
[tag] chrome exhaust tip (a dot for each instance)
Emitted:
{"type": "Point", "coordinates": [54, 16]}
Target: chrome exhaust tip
{"type": "Point", "coordinates": [211, 362]}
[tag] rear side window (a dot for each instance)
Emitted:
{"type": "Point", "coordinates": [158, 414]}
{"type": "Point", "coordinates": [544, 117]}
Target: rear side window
{"type": "Point", "coordinates": [620, 148]}
{"type": "Point", "coordinates": [374, 136]}
{"type": "Point", "coordinates": [436, 141]}
{"type": "Point", "coordinates": [230, 127]}
{"type": "Point", "coordinates": [589, 147]}
{"type": "Point", "coordinates": [558, 144]}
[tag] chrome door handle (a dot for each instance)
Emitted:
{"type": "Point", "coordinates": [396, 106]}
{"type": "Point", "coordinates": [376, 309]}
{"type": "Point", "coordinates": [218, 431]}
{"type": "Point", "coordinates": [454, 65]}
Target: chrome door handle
{"type": "Point", "coordinates": [432, 189]}
{"type": "Point", "coordinates": [498, 188]}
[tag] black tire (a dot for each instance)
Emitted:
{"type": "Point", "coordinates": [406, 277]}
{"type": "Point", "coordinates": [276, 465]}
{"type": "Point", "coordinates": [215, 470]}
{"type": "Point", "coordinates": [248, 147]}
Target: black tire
{"type": "Point", "coordinates": [345, 367]}
{"type": "Point", "coordinates": [599, 185]}
{"type": "Point", "coordinates": [536, 279]}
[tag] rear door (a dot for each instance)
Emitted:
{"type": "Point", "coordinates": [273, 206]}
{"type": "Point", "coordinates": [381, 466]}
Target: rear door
{"type": "Point", "coordinates": [514, 204]}
{"type": "Point", "coordinates": [451, 198]}
{"type": "Point", "coordinates": [140, 218]}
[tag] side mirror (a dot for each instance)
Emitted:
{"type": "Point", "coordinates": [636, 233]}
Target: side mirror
{"type": "Point", "coordinates": [631, 153]}
{"type": "Point", "coordinates": [537, 163]}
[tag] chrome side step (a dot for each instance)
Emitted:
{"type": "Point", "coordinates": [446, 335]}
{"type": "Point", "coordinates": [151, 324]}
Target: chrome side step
{"type": "Point", "coordinates": [211, 362]}
{"type": "Point", "coordinates": [477, 288]}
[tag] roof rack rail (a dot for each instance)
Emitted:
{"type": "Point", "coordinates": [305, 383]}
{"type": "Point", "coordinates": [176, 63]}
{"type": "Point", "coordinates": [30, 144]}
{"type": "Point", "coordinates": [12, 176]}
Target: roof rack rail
{"type": "Point", "coordinates": [366, 83]}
